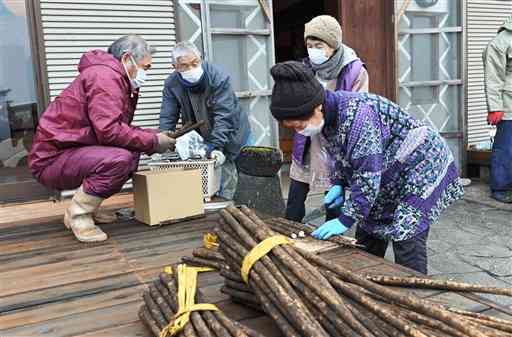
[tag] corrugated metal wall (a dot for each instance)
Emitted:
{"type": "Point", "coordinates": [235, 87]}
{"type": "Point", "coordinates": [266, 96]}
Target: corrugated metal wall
{"type": "Point", "coordinates": [483, 19]}
{"type": "Point", "coordinates": [71, 27]}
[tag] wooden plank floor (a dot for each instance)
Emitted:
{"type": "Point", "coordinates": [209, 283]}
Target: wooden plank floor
{"type": "Point", "coordinates": [44, 210]}
{"type": "Point", "coordinates": [51, 285]}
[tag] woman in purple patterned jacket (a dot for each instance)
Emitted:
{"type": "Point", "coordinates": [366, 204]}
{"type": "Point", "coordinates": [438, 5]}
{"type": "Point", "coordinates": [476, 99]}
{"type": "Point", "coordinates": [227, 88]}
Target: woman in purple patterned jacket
{"type": "Point", "coordinates": [400, 173]}
{"type": "Point", "coordinates": [337, 67]}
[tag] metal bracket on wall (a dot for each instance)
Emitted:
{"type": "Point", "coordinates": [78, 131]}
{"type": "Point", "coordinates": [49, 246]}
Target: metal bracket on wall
{"type": "Point", "coordinates": [266, 9]}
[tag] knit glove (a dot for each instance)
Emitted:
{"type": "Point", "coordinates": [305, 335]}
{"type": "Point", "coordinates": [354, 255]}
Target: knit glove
{"type": "Point", "coordinates": [219, 157]}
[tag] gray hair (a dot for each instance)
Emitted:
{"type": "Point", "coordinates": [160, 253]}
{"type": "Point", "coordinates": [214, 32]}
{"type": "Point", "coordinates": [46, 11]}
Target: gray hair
{"type": "Point", "coordinates": [184, 48]}
{"type": "Point", "coordinates": [133, 44]}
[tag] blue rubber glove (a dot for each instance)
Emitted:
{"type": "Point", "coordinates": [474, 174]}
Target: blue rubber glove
{"type": "Point", "coordinates": [328, 229]}
{"type": "Point", "coordinates": [335, 197]}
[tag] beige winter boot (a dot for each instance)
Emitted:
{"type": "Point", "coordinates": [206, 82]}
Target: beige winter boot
{"type": "Point", "coordinates": [79, 217]}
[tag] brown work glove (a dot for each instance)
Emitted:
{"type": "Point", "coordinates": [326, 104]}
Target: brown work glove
{"type": "Point", "coordinates": [165, 143]}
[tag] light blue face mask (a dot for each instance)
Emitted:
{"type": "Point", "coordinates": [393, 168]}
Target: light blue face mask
{"type": "Point", "coordinates": [317, 56]}
{"type": "Point", "coordinates": [140, 78]}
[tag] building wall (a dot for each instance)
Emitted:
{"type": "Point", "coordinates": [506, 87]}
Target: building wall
{"type": "Point", "coordinates": [72, 27]}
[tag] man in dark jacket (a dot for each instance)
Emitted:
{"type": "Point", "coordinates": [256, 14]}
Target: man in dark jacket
{"type": "Point", "coordinates": [198, 91]}
{"type": "Point", "coordinates": [85, 139]}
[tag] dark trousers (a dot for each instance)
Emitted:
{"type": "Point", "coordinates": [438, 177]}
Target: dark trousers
{"type": "Point", "coordinates": [296, 205]}
{"type": "Point", "coordinates": [501, 159]}
{"type": "Point", "coordinates": [410, 253]}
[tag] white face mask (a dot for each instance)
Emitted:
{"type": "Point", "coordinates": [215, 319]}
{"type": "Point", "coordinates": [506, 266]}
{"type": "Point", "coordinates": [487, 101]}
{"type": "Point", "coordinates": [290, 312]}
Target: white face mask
{"type": "Point", "coordinates": [317, 56]}
{"type": "Point", "coordinates": [193, 75]}
{"type": "Point", "coordinates": [140, 77]}
{"type": "Point", "coordinates": [311, 130]}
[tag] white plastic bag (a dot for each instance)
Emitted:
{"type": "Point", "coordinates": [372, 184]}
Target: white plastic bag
{"type": "Point", "coordinates": [190, 146]}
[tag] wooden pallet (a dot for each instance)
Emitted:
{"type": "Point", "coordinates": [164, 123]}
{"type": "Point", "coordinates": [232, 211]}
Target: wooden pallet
{"type": "Point", "coordinates": [52, 285]}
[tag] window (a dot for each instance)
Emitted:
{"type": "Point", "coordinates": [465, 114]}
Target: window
{"type": "Point", "coordinates": [430, 65]}
{"type": "Point", "coordinates": [424, 50]}
{"type": "Point", "coordinates": [18, 104]}
{"type": "Point", "coordinates": [237, 36]}
{"type": "Point", "coordinates": [18, 107]}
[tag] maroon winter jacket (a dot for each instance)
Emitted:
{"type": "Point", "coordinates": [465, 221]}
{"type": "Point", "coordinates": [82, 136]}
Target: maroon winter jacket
{"type": "Point", "coordinates": [95, 109]}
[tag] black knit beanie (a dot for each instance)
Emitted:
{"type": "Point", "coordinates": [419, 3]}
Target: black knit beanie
{"type": "Point", "coordinates": [296, 91]}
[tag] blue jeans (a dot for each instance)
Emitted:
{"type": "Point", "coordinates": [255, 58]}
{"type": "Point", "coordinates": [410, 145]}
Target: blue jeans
{"type": "Point", "coordinates": [501, 159]}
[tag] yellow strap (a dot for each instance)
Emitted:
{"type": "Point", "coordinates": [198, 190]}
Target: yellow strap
{"type": "Point", "coordinates": [210, 241]}
{"type": "Point", "coordinates": [260, 250]}
{"type": "Point", "coordinates": [187, 286]}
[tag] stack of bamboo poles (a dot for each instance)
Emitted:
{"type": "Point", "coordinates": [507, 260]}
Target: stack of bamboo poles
{"type": "Point", "coordinates": [161, 305]}
{"type": "Point", "coordinates": [307, 295]}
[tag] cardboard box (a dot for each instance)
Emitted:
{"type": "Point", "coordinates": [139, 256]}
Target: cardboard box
{"type": "Point", "coordinates": [167, 195]}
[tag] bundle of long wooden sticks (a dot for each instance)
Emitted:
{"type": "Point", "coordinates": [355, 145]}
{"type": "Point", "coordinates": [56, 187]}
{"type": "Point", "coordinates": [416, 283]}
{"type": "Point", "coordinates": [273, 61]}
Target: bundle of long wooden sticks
{"type": "Point", "coordinates": [161, 305]}
{"type": "Point", "coordinates": [299, 230]}
{"type": "Point", "coordinates": [307, 295]}
{"type": "Point", "coordinates": [203, 257]}
{"type": "Point", "coordinates": [294, 230]}
{"type": "Point", "coordinates": [233, 283]}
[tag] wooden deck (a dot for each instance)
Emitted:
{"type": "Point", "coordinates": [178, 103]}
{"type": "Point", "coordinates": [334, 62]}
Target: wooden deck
{"type": "Point", "coordinates": [51, 285]}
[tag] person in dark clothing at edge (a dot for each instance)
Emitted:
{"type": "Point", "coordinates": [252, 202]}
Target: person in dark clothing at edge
{"type": "Point", "coordinates": [197, 91]}
{"type": "Point", "coordinates": [336, 67]}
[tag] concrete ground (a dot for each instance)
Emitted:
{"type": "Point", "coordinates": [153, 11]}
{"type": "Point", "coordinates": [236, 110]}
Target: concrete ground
{"type": "Point", "coordinates": [472, 242]}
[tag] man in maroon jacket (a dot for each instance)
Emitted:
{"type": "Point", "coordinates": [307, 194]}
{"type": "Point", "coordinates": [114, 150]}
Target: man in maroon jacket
{"type": "Point", "coordinates": [85, 139]}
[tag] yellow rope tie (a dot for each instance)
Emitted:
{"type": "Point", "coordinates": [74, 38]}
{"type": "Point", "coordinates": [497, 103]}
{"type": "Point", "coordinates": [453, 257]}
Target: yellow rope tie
{"type": "Point", "coordinates": [210, 241]}
{"type": "Point", "coordinates": [260, 250]}
{"type": "Point", "coordinates": [187, 286]}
